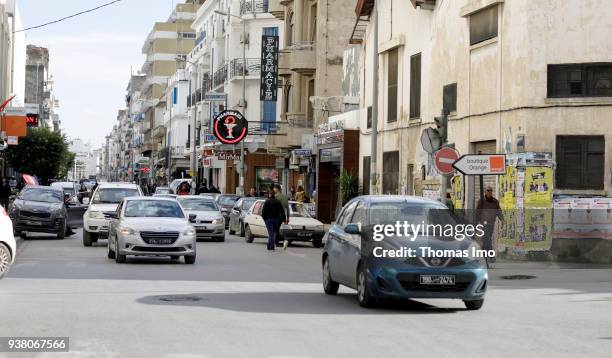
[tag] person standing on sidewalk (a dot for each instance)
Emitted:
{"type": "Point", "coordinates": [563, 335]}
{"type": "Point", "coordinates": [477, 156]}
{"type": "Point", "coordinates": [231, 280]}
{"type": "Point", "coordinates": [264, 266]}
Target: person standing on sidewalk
{"type": "Point", "coordinates": [488, 211]}
{"type": "Point", "coordinates": [285, 201]}
{"type": "Point", "coordinates": [273, 214]}
{"type": "Point", "coordinates": [5, 193]}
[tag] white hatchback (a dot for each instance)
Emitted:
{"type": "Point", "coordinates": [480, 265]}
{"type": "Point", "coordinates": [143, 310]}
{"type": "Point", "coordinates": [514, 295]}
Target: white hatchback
{"type": "Point", "coordinates": [8, 246]}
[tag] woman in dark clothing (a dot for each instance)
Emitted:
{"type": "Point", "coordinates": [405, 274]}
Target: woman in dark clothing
{"type": "Point", "coordinates": [273, 214]}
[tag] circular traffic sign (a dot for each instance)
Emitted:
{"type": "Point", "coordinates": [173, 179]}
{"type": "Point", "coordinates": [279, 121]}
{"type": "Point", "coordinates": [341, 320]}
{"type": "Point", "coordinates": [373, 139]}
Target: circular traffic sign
{"type": "Point", "coordinates": [230, 127]}
{"type": "Point", "coordinates": [444, 159]}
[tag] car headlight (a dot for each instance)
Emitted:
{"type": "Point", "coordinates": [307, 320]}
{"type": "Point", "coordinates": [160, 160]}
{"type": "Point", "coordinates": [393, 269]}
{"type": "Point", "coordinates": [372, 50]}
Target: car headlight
{"type": "Point", "coordinates": [126, 231]}
{"type": "Point", "coordinates": [287, 227]}
{"type": "Point", "coordinates": [189, 232]}
{"type": "Point", "coordinates": [218, 221]}
{"type": "Point", "coordinates": [319, 227]}
{"type": "Point", "coordinates": [95, 215]}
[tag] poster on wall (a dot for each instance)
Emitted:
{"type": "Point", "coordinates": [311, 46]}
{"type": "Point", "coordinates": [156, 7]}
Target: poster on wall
{"type": "Point", "coordinates": [457, 192]}
{"type": "Point", "coordinates": [538, 187]}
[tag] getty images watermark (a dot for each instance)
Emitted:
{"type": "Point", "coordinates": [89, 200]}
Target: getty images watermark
{"type": "Point", "coordinates": [413, 231]}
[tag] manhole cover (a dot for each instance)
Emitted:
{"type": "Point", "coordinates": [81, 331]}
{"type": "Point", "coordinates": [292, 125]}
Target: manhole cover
{"type": "Point", "coordinates": [180, 298]}
{"type": "Point", "coordinates": [518, 277]}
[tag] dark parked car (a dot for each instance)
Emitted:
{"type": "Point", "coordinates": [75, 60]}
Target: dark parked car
{"type": "Point", "coordinates": [42, 209]}
{"type": "Point", "coordinates": [352, 257]}
{"type": "Point", "coordinates": [239, 211]}
{"type": "Point", "coordinates": [226, 203]}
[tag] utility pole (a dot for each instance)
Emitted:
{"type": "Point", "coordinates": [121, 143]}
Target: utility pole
{"type": "Point", "coordinates": [442, 130]}
{"type": "Point", "coordinates": [374, 135]}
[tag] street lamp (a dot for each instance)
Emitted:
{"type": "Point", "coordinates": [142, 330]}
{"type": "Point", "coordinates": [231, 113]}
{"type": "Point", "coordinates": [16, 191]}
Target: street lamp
{"type": "Point", "coordinates": [240, 189]}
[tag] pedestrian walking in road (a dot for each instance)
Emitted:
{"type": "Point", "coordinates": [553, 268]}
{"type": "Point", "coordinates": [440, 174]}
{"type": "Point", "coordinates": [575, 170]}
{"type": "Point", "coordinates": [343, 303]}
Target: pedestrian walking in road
{"type": "Point", "coordinates": [292, 193]}
{"type": "Point", "coordinates": [278, 193]}
{"type": "Point", "coordinates": [183, 189]}
{"type": "Point", "coordinates": [487, 212]}
{"type": "Point", "coordinates": [5, 193]}
{"type": "Point", "coordinates": [300, 195]}
{"type": "Point", "coordinates": [273, 214]}
{"type": "Point", "coordinates": [203, 189]}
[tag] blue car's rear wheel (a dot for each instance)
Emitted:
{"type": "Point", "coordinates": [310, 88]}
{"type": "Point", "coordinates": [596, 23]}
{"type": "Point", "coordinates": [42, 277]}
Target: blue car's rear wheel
{"type": "Point", "coordinates": [329, 286]}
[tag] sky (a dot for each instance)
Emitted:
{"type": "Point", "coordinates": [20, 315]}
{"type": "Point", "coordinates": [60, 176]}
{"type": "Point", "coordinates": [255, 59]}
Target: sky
{"type": "Point", "coordinates": [91, 56]}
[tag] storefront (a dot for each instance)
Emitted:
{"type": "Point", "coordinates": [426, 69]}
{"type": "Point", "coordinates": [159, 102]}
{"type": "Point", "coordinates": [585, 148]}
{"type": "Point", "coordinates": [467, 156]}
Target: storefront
{"type": "Point", "coordinates": [337, 150]}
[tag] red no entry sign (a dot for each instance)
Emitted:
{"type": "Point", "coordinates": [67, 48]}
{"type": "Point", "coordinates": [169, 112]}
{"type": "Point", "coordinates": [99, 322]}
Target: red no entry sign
{"type": "Point", "coordinates": [444, 159]}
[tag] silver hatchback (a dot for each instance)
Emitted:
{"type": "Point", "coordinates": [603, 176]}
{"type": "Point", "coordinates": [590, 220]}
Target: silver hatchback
{"type": "Point", "coordinates": [146, 226]}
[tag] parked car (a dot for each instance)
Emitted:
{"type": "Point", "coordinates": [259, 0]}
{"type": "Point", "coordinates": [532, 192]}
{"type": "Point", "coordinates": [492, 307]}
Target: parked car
{"type": "Point", "coordinates": [238, 213]}
{"type": "Point", "coordinates": [43, 209]}
{"type": "Point", "coordinates": [105, 200]}
{"type": "Point", "coordinates": [226, 203]}
{"type": "Point", "coordinates": [160, 190]}
{"type": "Point", "coordinates": [8, 248]}
{"type": "Point", "coordinates": [209, 223]}
{"type": "Point", "coordinates": [348, 257]}
{"type": "Point", "coordinates": [302, 226]}
{"type": "Point", "coordinates": [146, 226]}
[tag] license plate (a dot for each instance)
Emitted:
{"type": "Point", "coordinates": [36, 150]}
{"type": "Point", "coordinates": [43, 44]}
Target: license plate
{"type": "Point", "coordinates": [304, 234]}
{"type": "Point", "coordinates": [437, 279]}
{"type": "Point", "coordinates": [203, 227]}
{"type": "Point", "coordinates": [34, 223]}
{"type": "Point", "coordinates": [160, 241]}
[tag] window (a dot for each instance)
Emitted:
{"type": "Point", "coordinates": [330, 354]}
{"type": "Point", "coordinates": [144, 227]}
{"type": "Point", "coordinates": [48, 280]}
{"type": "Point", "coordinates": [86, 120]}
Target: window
{"type": "Point", "coordinates": [483, 25]}
{"type": "Point", "coordinates": [391, 172]}
{"type": "Point", "coordinates": [392, 74]}
{"type": "Point", "coordinates": [415, 86]}
{"type": "Point", "coordinates": [366, 175]}
{"type": "Point", "coordinates": [369, 121]}
{"type": "Point", "coordinates": [361, 214]}
{"type": "Point", "coordinates": [347, 214]}
{"type": "Point", "coordinates": [187, 35]}
{"type": "Point", "coordinates": [580, 162]}
{"type": "Point", "coordinates": [410, 180]}
{"type": "Point", "coordinates": [580, 80]}
{"type": "Point", "coordinates": [449, 97]}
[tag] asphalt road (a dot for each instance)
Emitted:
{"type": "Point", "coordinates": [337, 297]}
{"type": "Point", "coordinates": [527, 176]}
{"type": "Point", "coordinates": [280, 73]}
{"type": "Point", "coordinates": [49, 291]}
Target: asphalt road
{"type": "Point", "coordinates": [240, 300]}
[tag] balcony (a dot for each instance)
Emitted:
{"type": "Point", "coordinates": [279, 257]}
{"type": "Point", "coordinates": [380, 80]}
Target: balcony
{"type": "Point", "coordinates": [300, 58]}
{"type": "Point", "coordinates": [253, 7]}
{"type": "Point", "coordinates": [178, 152]}
{"type": "Point", "coordinates": [253, 67]}
{"type": "Point", "coordinates": [159, 132]}
{"type": "Point", "coordinates": [276, 8]}
{"type": "Point", "coordinates": [220, 76]}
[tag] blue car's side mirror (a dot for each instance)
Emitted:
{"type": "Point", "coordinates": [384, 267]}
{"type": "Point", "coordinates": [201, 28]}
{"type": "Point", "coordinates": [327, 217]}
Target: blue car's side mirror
{"type": "Point", "coordinates": [353, 229]}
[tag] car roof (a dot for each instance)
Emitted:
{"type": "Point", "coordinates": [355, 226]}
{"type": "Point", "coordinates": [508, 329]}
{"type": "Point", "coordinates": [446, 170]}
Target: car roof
{"type": "Point", "coordinates": [399, 198]}
{"type": "Point", "coordinates": [149, 198]}
{"type": "Point", "coordinates": [195, 197]}
{"type": "Point", "coordinates": [43, 187]}
{"type": "Point", "coordinates": [118, 185]}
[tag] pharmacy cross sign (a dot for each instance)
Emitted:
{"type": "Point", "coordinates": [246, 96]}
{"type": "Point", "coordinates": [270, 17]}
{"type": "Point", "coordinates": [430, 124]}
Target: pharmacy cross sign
{"type": "Point", "coordinates": [230, 127]}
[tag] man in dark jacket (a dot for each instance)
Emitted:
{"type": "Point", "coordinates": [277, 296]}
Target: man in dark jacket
{"type": "Point", "coordinates": [487, 212]}
{"type": "Point", "coordinates": [5, 193]}
{"type": "Point", "coordinates": [273, 214]}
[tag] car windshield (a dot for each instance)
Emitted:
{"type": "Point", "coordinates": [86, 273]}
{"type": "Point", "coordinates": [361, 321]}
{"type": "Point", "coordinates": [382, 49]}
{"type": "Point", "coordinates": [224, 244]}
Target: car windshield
{"type": "Point", "coordinates": [42, 195]}
{"type": "Point", "coordinates": [162, 191]}
{"type": "Point", "coordinates": [69, 191]}
{"type": "Point", "coordinates": [400, 211]}
{"type": "Point", "coordinates": [247, 203]}
{"type": "Point", "coordinates": [298, 211]}
{"type": "Point", "coordinates": [153, 209]}
{"type": "Point", "coordinates": [197, 204]}
{"type": "Point", "coordinates": [228, 200]}
{"type": "Point", "coordinates": [113, 195]}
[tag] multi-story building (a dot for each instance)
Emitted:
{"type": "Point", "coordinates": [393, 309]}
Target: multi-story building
{"type": "Point", "coordinates": [176, 121]}
{"type": "Point", "coordinates": [12, 53]}
{"type": "Point", "coordinates": [167, 43]}
{"type": "Point", "coordinates": [316, 35]}
{"type": "Point", "coordinates": [510, 81]}
{"type": "Point", "coordinates": [39, 97]}
{"type": "Point", "coordinates": [135, 137]}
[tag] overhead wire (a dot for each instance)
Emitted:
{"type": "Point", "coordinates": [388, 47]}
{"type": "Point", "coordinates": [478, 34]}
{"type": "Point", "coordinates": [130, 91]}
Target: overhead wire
{"type": "Point", "coordinates": [69, 17]}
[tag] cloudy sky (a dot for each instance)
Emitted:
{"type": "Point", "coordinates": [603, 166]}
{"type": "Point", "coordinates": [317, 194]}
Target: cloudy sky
{"type": "Point", "coordinates": [91, 56]}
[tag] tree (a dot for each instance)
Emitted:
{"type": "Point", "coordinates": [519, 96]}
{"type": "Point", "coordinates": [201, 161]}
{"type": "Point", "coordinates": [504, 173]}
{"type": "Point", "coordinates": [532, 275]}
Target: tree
{"type": "Point", "coordinates": [43, 153]}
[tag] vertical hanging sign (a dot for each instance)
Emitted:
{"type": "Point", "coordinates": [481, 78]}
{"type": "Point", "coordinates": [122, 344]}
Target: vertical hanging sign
{"type": "Point", "coordinates": [269, 68]}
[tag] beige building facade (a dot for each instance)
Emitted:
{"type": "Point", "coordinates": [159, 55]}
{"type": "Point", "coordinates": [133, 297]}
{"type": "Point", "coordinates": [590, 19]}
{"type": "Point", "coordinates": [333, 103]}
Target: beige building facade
{"type": "Point", "coordinates": [515, 75]}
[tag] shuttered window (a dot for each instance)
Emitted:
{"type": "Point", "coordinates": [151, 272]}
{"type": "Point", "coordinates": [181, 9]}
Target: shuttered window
{"type": "Point", "coordinates": [366, 175]}
{"type": "Point", "coordinates": [415, 86]}
{"type": "Point", "coordinates": [483, 25]}
{"type": "Point", "coordinates": [580, 80]}
{"type": "Point", "coordinates": [392, 80]}
{"type": "Point", "coordinates": [580, 162]}
{"type": "Point", "coordinates": [391, 172]}
{"type": "Point", "coordinates": [450, 97]}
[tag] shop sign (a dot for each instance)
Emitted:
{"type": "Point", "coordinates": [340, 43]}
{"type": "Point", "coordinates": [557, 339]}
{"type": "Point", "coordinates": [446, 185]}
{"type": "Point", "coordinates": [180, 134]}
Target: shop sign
{"type": "Point", "coordinates": [300, 153]}
{"type": "Point", "coordinates": [228, 156]}
{"type": "Point", "coordinates": [12, 140]}
{"type": "Point", "coordinates": [269, 68]}
{"type": "Point", "coordinates": [267, 175]}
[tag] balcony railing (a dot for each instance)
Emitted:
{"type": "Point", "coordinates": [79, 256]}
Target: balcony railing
{"type": "Point", "coordinates": [253, 67]}
{"type": "Point", "coordinates": [253, 6]}
{"type": "Point", "coordinates": [220, 76]}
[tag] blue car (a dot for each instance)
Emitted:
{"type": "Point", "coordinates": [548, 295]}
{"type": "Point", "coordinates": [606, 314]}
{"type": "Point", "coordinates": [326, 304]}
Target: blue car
{"type": "Point", "coordinates": [394, 247]}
